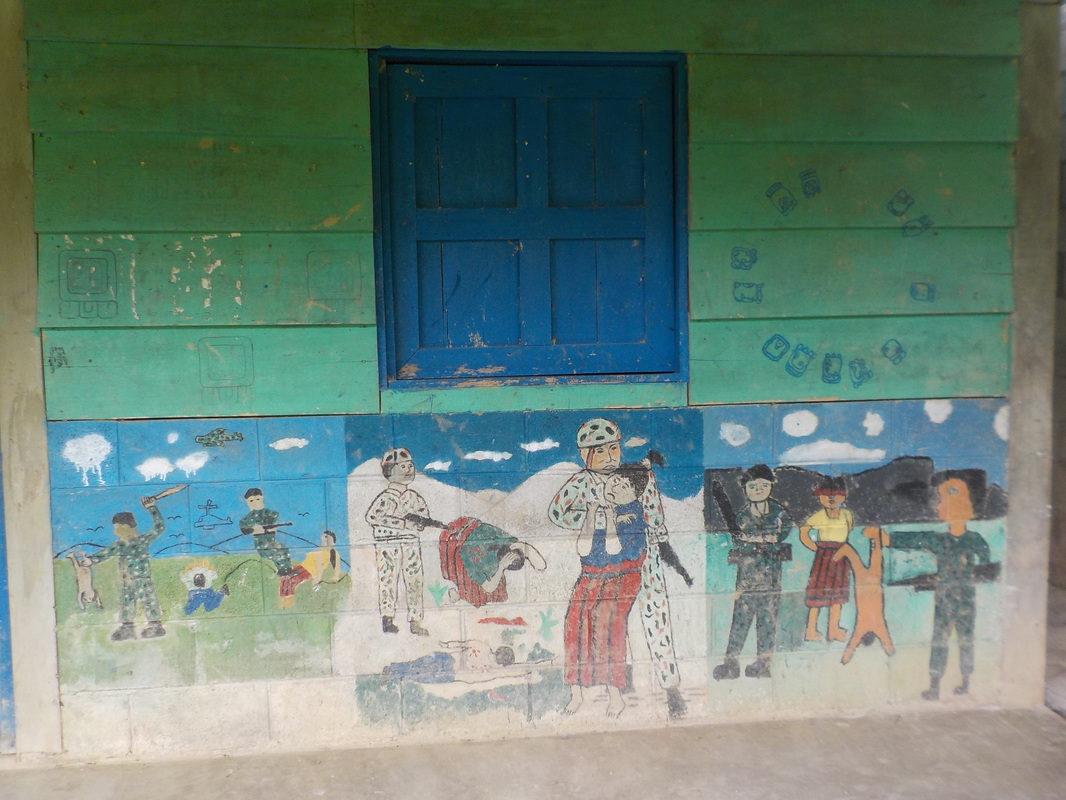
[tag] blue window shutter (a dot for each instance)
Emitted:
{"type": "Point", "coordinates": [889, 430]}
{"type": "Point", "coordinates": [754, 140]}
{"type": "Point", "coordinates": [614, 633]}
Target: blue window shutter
{"type": "Point", "coordinates": [530, 221]}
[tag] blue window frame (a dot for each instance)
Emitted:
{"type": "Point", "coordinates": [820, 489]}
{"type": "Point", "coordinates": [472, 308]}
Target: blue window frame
{"type": "Point", "coordinates": [529, 215]}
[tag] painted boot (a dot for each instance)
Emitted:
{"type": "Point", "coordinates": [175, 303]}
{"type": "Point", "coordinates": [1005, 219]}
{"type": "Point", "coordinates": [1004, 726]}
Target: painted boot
{"type": "Point", "coordinates": [675, 703]}
{"type": "Point", "coordinates": [418, 629]}
{"type": "Point", "coordinates": [123, 632]}
{"type": "Point", "coordinates": [727, 670]}
{"type": "Point", "coordinates": [153, 630]}
{"type": "Point", "coordinates": [387, 625]}
{"type": "Point", "coordinates": [760, 668]}
{"type": "Point", "coordinates": [933, 692]}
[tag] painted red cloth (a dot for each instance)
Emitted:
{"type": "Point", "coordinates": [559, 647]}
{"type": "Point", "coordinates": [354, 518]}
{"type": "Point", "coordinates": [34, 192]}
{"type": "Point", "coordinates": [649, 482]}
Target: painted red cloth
{"type": "Point", "coordinates": [452, 539]}
{"type": "Point", "coordinates": [594, 633]}
{"type": "Point", "coordinates": [828, 584]}
{"type": "Point", "coordinates": [287, 583]}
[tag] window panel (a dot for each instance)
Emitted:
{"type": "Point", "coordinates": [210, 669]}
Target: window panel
{"type": "Point", "coordinates": [530, 220]}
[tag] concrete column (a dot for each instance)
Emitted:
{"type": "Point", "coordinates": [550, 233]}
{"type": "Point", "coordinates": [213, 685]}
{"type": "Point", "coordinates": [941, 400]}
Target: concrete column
{"type": "Point", "coordinates": [1058, 532]}
{"type": "Point", "coordinates": [22, 416]}
{"type": "Point", "coordinates": [1029, 459]}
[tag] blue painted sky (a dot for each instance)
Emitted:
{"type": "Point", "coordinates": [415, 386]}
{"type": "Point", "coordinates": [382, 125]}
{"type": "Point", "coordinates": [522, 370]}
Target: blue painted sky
{"type": "Point", "coordinates": [302, 463]}
{"type": "Point", "coordinates": [851, 437]}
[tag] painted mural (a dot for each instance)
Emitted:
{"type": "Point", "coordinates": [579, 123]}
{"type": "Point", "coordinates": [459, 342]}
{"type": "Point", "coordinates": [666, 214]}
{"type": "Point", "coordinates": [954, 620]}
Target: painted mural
{"type": "Point", "coordinates": [7, 690]}
{"type": "Point", "coordinates": [573, 567]}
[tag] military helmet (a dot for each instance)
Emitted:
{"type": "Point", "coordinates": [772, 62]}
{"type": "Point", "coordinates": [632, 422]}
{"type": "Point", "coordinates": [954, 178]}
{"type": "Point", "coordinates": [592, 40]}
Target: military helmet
{"type": "Point", "coordinates": [394, 456]}
{"type": "Point", "coordinates": [596, 432]}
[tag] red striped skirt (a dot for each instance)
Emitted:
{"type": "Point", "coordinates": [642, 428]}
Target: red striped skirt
{"type": "Point", "coordinates": [594, 634]}
{"type": "Point", "coordinates": [828, 585]}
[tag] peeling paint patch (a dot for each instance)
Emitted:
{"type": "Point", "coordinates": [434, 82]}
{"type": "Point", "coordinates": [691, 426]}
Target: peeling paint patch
{"type": "Point", "coordinates": [133, 287]}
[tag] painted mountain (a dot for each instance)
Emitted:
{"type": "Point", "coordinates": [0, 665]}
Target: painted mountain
{"type": "Point", "coordinates": [897, 492]}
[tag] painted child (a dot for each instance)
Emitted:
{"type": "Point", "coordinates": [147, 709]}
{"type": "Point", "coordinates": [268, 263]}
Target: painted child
{"type": "Point", "coordinates": [828, 586]}
{"type": "Point", "coordinates": [597, 618]}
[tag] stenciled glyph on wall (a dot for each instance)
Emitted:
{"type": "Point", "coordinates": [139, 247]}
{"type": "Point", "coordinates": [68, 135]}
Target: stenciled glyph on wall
{"type": "Point", "coordinates": [570, 568]}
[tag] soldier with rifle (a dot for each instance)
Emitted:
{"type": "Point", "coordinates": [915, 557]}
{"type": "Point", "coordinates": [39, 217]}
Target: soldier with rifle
{"type": "Point", "coordinates": [963, 559]}
{"type": "Point", "coordinates": [262, 524]}
{"type": "Point", "coordinates": [759, 532]}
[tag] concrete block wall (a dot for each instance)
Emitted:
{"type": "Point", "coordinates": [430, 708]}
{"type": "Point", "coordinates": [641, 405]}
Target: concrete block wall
{"type": "Point", "coordinates": [246, 664]}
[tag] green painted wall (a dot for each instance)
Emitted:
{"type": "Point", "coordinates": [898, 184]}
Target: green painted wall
{"type": "Point", "coordinates": [211, 168]}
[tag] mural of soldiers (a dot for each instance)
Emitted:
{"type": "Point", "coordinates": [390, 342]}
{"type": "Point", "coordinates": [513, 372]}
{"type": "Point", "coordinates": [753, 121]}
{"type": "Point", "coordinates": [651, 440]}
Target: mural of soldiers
{"type": "Point", "coordinates": [760, 528]}
{"type": "Point", "coordinates": [599, 442]}
{"type": "Point", "coordinates": [960, 554]}
{"type": "Point", "coordinates": [135, 572]}
{"type": "Point", "coordinates": [396, 544]}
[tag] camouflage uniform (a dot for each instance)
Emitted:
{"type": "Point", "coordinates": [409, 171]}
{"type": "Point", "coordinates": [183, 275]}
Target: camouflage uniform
{"type": "Point", "coordinates": [266, 544]}
{"type": "Point", "coordinates": [135, 570]}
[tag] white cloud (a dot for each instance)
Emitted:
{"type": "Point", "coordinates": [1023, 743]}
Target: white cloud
{"type": "Point", "coordinates": [874, 424]}
{"type": "Point", "coordinates": [288, 444]}
{"type": "Point", "coordinates": [635, 441]}
{"type": "Point", "coordinates": [438, 466]}
{"type": "Point", "coordinates": [734, 433]}
{"type": "Point", "coordinates": [800, 423]}
{"type": "Point", "coordinates": [88, 453]}
{"type": "Point", "coordinates": [938, 410]}
{"type": "Point", "coordinates": [536, 447]}
{"type": "Point", "coordinates": [1001, 424]}
{"type": "Point", "coordinates": [172, 437]}
{"type": "Point", "coordinates": [155, 468]}
{"type": "Point", "coordinates": [191, 463]}
{"type": "Point", "coordinates": [826, 451]}
{"type": "Point", "coordinates": [487, 455]}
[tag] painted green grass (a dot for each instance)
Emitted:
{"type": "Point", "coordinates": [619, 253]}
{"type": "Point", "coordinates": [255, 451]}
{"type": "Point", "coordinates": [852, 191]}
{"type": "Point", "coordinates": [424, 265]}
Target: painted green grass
{"type": "Point", "coordinates": [249, 637]}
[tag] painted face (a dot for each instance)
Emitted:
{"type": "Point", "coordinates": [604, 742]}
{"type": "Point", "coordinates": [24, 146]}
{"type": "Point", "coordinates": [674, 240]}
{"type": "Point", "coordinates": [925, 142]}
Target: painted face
{"type": "Point", "coordinates": [604, 457]}
{"type": "Point", "coordinates": [620, 490]}
{"type": "Point", "coordinates": [403, 471]}
{"type": "Point", "coordinates": [255, 502]}
{"type": "Point", "coordinates": [831, 501]}
{"type": "Point", "coordinates": [758, 489]}
{"type": "Point", "coordinates": [953, 501]}
{"type": "Point", "coordinates": [125, 532]}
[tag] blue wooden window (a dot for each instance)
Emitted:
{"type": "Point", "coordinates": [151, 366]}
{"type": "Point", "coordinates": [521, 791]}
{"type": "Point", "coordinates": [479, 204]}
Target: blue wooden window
{"type": "Point", "coordinates": [529, 220]}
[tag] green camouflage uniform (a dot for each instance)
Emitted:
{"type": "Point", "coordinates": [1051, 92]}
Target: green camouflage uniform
{"type": "Point", "coordinates": [265, 543]}
{"type": "Point", "coordinates": [135, 570]}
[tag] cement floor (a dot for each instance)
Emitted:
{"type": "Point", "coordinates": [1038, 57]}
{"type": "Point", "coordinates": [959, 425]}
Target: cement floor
{"type": "Point", "coordinates": [970, 755]}
{"type": "Point", "coordinates": [966, 755]}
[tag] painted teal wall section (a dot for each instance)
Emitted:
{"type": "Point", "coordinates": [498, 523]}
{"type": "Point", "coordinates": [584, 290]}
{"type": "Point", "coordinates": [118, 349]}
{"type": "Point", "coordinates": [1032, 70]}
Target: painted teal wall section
{"type": "Point", "coordinates": [887, 136]}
